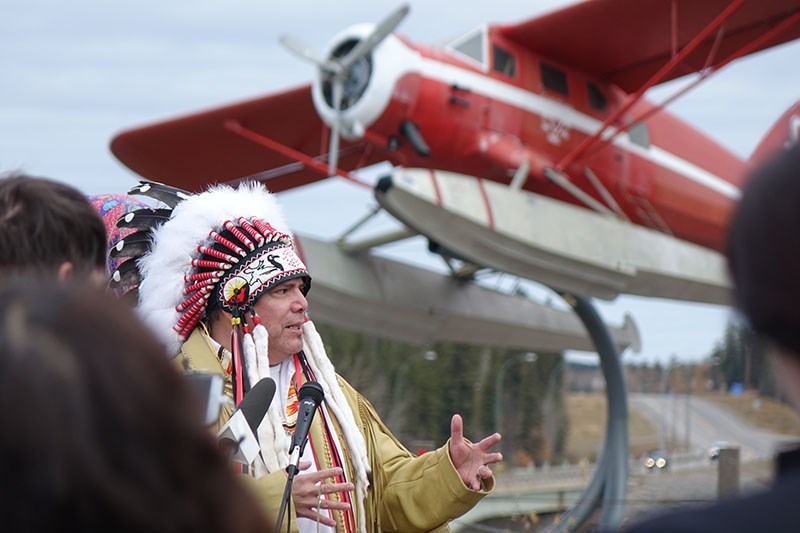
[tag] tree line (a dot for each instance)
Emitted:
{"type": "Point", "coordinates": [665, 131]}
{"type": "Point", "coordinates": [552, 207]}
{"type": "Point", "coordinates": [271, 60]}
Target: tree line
{"type": "Point", "coordinates": [416, 390]}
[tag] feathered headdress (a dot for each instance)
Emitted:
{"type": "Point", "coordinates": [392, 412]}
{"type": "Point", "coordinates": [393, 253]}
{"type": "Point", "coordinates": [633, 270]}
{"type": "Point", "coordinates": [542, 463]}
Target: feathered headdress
{"type": "Point", "coordinates": [225, 247]}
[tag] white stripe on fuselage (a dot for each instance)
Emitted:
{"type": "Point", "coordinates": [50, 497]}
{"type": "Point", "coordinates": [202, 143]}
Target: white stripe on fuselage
{"type": "Point", "coordinates": [534, 103]}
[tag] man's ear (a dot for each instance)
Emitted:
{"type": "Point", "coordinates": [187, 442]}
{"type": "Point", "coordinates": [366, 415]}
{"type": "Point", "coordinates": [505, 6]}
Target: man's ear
{"type": "Point", "coordinates": [65, 271]}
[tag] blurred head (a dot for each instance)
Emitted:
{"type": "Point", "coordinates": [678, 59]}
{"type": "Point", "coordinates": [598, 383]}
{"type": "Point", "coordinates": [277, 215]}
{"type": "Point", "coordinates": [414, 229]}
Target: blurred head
{"type": "Point", "coordinates": [764, 250]}
{"type": "Point", "coordinates": [111, 207]}
{"type": "Point", "coordinates": [48, 228]}
{"type": "Point", "coordinates": [100, 431]}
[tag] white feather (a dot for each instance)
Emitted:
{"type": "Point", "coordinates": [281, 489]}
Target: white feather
{"type": "Point", "coordinates": [249, 348]}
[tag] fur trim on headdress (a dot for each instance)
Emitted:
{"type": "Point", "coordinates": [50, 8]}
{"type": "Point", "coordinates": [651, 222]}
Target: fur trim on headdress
{"type": "Point", "coordinates": [175, 245]}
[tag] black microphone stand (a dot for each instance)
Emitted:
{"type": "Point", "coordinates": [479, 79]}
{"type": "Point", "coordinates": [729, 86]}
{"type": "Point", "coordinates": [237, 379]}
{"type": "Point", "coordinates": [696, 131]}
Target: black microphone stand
{"type": "Point", "coordinates": [291, 470]}
{"type": "Point", "coordinates": [310, 396]}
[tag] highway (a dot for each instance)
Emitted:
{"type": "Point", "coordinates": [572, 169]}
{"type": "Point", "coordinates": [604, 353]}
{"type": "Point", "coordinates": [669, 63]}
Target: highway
{"type": "Point", "coordinates": [707, 423]}
{"type": "Point", "coordinates": [692, 477]}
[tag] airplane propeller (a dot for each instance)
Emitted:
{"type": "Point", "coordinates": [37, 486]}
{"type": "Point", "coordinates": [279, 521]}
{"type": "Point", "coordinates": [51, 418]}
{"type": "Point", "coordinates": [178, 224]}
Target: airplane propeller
{"type": "Point", "coordinates": [347, 71]}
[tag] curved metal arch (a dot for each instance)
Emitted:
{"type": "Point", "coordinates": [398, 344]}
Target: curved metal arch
{"type": "Point", "coordinates": [608, 486]}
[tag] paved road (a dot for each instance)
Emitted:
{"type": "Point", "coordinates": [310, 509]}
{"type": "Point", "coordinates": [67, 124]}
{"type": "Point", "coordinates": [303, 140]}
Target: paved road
{"type": "Point", "coordinates": [707, 422]}
{"type": "Point", "coordinates": [692, 478]}
{"type": "Point", "coordinates": [648, 493]}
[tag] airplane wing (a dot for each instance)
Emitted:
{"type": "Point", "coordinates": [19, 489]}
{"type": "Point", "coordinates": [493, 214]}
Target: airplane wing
{"type": "Point", "coordinates": [192, 151]}
{"type": "Point", "coordinates": [627, 41]}
{"type": "Point", "coordinates": [417, 306]}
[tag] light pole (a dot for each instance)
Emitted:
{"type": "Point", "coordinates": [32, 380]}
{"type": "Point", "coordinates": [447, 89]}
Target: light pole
{"type": "Point", "coordinates": [687, 433]}
{"type": "Point", "coordinates": [527, 357]}
{"type": "Point", "coordinates": [548, 408]}
{"type": "Point", "coordinates": [664, 383]}
{"type": "Point", "coordinates": [398, 383]}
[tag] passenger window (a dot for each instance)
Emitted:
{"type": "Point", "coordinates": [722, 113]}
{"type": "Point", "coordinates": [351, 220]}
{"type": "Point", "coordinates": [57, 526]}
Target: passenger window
{"type": "Point", "coordinates": [597, 100]}
{"type": "Point", "coordinates": [504, 62]}
{"type": "Point", "coordinates": [640, 134]}
{"type": "Point", "coordinates": [554, 79]}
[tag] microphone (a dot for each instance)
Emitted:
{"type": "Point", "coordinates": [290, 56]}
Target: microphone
{"type": "Point", "coordinates": [238, 437]}
{"type": "Point", "coordinates": [309, 396]}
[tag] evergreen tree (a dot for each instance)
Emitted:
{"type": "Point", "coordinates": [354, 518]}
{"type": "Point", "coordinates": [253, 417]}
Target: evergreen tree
{"type": "Point", "coordinates": [416, 390]}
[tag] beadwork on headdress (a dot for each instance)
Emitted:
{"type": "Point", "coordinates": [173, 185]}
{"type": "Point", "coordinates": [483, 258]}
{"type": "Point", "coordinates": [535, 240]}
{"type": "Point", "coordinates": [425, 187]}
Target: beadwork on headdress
{"type": "Point", "coordinates": [232, 276]}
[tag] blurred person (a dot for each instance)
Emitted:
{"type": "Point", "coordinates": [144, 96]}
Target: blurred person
{"type": "Point", "coordinates": [226, 290]}
{"type": "Point", "coordinates": [100, 431]}
{"type": "Point", "coordinates": [50, 228]}
{"type": "Point", "coordinates": [111, 207]}
{"type": "Point", "coordinates": [763, 253]}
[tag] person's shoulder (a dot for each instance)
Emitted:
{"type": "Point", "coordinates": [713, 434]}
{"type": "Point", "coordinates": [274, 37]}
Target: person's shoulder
{"type": "Point", "coordinates": [773, 510]}
{"type": "Point", "coordinates": [346, 386]}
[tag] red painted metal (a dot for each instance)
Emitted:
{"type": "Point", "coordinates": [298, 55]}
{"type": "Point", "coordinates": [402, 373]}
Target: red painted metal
{"type": "Point", "coordinates": [489, 135]}
{"type": "Point", "coordinates": [312, 163]}
{"type": "Point", "coordinates": [655, 79]}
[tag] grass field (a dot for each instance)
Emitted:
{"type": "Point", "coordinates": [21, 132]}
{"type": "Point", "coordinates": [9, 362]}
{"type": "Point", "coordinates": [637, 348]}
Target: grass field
{"type": "Point", "coordinates": [587, 419]}
{"type": "Point", "coordinates": [764, 413]}
{"type": "Point", "coordinates": [587, 427]}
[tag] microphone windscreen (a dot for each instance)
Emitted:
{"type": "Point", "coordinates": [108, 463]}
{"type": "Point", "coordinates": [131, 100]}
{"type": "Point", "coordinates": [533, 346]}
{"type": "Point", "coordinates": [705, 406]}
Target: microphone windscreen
{"type": "Point", "coordinates": [255, 403]}
{"type": "Point", "coordinates": [311, 390]}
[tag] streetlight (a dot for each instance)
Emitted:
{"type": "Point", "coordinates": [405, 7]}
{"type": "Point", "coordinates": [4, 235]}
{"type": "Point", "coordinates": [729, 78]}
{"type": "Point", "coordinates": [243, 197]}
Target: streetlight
{"type": "Point", "coordinates": [528, 357]}
{"type": "Point", "coordinates": [663, 426]}
{"type": "Point", "coordinates": [548, 408]}
{"type": "Point", "coordinates": [398, 385]}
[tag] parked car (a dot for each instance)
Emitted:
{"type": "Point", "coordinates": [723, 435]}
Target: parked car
{"type": "Point", "coordinates": [657, 461]}
{"type": "Point", "coordinates": [716, 446]}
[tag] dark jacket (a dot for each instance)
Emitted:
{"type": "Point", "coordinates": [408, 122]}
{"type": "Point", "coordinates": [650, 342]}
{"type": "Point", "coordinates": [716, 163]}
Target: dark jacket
{"type": "Point", "coordinates": [774, 510]}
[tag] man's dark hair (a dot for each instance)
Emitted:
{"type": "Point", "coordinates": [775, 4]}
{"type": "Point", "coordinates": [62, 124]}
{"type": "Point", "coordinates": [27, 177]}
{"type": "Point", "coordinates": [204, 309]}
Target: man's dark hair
{"type": "Point", "coordinates": [763, 250]}
{"type": "Point", "coordinates": [44, 223]}
{"type": "Point", "coordinates": [100, 432]}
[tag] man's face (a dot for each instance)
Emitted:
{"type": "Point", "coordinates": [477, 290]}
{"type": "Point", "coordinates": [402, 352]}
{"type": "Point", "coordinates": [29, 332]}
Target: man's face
{"type": "Point", "coordinates": [283, 309]}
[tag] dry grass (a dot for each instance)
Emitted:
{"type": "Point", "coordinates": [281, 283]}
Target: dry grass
{"type": "Point", "coordinates": [587, 419]}
{"type": "Point", "coordinates": [763, 413]}
{"type": "Point", "coordinates": [587, 427]}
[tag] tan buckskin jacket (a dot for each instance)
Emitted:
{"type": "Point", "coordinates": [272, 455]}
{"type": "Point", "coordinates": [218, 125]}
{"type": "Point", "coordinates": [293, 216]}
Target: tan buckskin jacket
{"type": "Point", "coordinates": [407, 493]}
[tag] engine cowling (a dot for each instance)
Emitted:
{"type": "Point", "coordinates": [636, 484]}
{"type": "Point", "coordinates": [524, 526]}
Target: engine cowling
{"type": "Point", "coordinates": [369, 83]}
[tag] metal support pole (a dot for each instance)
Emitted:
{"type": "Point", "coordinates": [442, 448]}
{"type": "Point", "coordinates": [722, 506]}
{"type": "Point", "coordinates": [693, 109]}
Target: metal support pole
{"type": "Point", "coordinates": [611, 474]}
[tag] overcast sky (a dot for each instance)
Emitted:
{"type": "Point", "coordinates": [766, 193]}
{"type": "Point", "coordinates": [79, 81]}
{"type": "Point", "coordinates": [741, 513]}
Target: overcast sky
{"type": "Point", "coordinates": [72, 74]}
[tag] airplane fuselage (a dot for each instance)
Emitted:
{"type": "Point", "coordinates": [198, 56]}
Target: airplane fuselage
{"type": "Point", "coordinates": [488, 113]}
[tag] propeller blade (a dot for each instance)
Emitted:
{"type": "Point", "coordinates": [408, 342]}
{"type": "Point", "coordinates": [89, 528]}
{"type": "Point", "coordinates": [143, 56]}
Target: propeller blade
{"type": "Point", "coordinates": [333, 151]}
{"type": "Point", "coordinates": [304, 51]}
{"type": "Point", "coordinates": [366, 45]}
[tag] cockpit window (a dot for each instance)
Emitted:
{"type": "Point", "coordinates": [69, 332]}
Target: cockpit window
{"type": "Point", "coordinates": [471, 45]}
{"type": "Point", "coordinates": [504, 62]}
